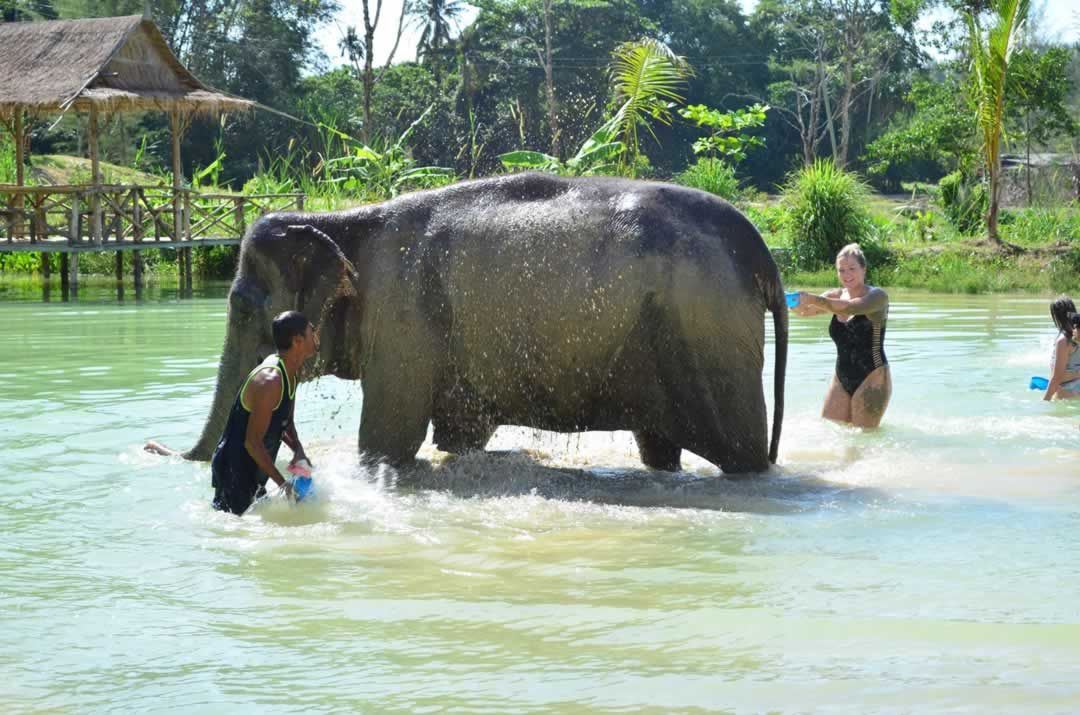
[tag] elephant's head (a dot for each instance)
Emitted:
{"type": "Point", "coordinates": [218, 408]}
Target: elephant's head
{"type": "Point", "coordinates": [285, 265]}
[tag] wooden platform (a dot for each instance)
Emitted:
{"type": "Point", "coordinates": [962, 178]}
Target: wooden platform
{"type": "Point", "coordinates": [87, 218]}
{"type": "Point", "coordinates": [63, 245]}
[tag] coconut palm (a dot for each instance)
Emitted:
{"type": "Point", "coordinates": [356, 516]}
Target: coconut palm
{"type": "Point", "coordinates": [434, 18]}
{"type": "Point", "coordinates": [990, 53]}
{"type": "Point", "coordinates": [646, 76]}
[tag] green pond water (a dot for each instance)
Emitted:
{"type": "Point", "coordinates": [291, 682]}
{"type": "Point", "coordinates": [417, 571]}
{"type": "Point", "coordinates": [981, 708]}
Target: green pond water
{"type": "Point", "coordinates": [932, 566]}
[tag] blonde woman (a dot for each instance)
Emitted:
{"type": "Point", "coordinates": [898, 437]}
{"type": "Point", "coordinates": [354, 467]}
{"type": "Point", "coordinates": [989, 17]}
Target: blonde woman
{"type": "Point", "coordinates": [861, 385]}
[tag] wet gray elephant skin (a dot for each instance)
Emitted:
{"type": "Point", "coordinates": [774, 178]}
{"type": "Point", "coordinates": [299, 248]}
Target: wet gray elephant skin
{"type": "Point", "coordinates": [559, 304]}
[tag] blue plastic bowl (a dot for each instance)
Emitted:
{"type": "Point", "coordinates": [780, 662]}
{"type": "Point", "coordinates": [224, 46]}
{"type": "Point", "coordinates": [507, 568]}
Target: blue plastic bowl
{"type": "Point", "coordinates": [792, 299]}
{"type": "Point", "coordinates": [1038, 383]}
{"type": "Point", "coordinates": [301, 487]}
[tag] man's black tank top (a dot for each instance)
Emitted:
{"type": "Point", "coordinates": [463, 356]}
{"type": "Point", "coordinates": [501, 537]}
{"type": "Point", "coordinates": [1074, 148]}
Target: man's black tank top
{"type": "Point", "coordinates": [231, 455]}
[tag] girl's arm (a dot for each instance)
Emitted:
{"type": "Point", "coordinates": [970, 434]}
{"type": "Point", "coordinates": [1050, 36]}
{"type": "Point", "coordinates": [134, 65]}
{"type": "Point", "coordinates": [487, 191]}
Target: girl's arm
{"type": "Point", "coordinates": [875, 301]}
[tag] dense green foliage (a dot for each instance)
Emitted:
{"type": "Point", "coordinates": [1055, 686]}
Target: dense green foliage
{"type": "Point", "coordinates": [964, 201]}
{"type": "Point", "coordinates": [711, 175]}
{"type": "Point", "coordinates": [825, 210]}
{"type": "Point", "coordinates": [931, 139]}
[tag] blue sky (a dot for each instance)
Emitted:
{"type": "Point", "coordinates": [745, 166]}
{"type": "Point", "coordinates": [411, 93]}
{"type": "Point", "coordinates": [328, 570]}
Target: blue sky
{"type": "Point", "coordinates": [1060, 21]}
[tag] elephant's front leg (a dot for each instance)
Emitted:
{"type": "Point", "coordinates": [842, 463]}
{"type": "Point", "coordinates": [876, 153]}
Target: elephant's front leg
{"type": "Point", "coordinates": [397, 407]}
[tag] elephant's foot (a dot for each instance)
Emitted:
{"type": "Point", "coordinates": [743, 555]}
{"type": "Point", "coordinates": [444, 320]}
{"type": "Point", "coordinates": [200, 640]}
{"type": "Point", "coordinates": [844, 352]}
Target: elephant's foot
{"type": "Point", "coordinates": [459, 437]}
{"type": "Point", "coordinates": [657, 451]}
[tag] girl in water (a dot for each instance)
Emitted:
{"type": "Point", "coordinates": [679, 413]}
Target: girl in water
{"type": "Point", "coordinates": [1065, 367]}
{"type": "Point", "coordinates": [861, 385]}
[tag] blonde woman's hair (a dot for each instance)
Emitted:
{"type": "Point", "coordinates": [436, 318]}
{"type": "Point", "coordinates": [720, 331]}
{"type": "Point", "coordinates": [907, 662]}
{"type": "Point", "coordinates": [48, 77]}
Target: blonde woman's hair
{"type": "Point", "coordinates": [853, 250]}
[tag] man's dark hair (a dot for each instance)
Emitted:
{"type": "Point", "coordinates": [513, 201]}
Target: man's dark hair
{"type": "Point", "coordinates": [287, 326]}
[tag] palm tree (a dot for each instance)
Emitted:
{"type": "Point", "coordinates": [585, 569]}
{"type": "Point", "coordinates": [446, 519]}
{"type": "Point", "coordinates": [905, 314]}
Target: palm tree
{"type": "Point", "coordinates": [646, 76]}
{"type": "Point", "coordinates": [990, 63]}
{"type": "Point", "coordinates": [434, 17]}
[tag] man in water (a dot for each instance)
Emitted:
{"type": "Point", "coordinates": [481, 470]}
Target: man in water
{"type": "Point", "coordinates": [260, 420]}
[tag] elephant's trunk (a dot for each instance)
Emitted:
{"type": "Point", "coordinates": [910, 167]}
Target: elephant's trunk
{"type": "Point", "coordinates": [237, 358]}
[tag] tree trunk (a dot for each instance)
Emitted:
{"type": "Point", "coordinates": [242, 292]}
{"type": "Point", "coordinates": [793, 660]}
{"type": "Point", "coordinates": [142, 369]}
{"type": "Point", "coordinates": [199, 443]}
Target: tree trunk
{"type": "Point", "coordinates": [844, 114]}
{"type": "Point", "coordinates": [1027, 163]}
{"type": "Point", "coordinates": [553, 117]}
{"type": "Point", "coordinates": [994, 203]}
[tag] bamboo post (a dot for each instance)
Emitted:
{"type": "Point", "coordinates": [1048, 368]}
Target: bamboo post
{"type": "Point", "coordinates": [64, 275]}
{"type": "Point", "coordinates": [137, 232]}
{"type": "Point", "coordinates": [187, 270]}
{"type": "Point", "coordinates": [74, 281]}
{"type": "Point", "coordinates": [177, 171]}
{"type": "Point", "coordinates": [119, 275]}
{"type": "Point", "coordinates": [95, 173]}
{"type": "Point", "coordinates": [46, 267]}
{"type": "Point", "coordinates": [238, 215]}
{"type": "Point", "coordinates": [73, 231]}
{"type": "Point", "coordinates": [20, 177]}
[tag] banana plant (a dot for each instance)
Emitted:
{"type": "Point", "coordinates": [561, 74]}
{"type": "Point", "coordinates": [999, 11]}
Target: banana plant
{"type": "Point", "coordinates": [599, 154]}
{"type": "Point", "coordinates": [384, 172]}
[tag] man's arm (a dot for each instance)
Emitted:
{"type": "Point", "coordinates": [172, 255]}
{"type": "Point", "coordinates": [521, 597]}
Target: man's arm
{"type": "Point", "coordinates": [263, 393]}
{"type": "Point", "coordinates": [292, 440]}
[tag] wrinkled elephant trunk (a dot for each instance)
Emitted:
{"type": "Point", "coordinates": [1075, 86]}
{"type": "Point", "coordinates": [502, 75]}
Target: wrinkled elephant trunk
{"type": "Point", "coordinates": [237, 359]}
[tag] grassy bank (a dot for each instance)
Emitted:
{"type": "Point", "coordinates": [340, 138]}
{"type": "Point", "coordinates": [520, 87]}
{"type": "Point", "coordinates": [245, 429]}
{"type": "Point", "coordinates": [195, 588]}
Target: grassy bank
{"type": "Point", "coordinates": [911, 245]}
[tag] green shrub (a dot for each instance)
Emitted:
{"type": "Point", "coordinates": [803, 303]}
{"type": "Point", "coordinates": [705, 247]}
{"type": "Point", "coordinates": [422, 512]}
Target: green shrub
{"type": "Point", "coordinates": [216, 261]}
{"type": "Point", "coordinates": [1065, 271]}
{"type": "Point", "coordinates": [7, 159]}
{"type": "Point", "coordinates": [1039, 226]}
{"type": "Point", "coordinates": [712, 175]}
{"type": "Point", "coordinates": [824, 210]}
{"type": "Point", "coordinates": [769, 221]}
{"type": "Point", "coordinates": [964, 202]}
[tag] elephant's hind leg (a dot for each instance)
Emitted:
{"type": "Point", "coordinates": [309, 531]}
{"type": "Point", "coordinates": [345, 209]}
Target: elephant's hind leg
{"type": "Point", "coordinates": [657, 451]}
{"type": "Point", "coordinates": [461, 435]}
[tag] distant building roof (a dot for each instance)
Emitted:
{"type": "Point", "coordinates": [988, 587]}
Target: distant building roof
{"type": "Point", "coordinates": [112, 63]}
{"type": "Point", "coordinates": [1044, 159]}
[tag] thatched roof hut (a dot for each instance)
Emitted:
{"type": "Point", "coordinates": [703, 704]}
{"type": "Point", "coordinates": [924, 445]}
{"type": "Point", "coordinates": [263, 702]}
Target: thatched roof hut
{"type": "Point", "coordinates": [99, 65]}
{"type": "Point", "coordinates": [107, 64]}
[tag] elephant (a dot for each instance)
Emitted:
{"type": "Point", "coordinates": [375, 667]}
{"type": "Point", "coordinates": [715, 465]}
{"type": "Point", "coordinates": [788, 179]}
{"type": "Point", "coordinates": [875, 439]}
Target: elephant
{"type": "Point", "coordinates": [564, 304]}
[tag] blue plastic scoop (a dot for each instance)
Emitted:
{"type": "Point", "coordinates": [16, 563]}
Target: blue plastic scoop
{"type": "Point", "coordinates": [1038, 383]}
{"type": "Point", "coordinates": [792, 299]}
{"type": "Point", "coordinates": [301, 487]}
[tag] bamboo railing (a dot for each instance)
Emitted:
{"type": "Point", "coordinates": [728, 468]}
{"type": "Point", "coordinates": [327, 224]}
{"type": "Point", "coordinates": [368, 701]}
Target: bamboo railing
{"type": "Point", "coordinates": [110, 216]}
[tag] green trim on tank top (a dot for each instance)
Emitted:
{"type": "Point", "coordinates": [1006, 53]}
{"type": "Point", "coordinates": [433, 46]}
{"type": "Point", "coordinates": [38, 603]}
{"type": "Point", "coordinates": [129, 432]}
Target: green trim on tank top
{"type": "Point", "coordinates": [280, 367]}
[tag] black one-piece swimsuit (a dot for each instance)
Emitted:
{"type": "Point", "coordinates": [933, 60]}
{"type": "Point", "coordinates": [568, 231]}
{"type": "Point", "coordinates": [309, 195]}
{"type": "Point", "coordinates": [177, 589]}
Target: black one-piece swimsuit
{"type": "Point", "coordinates": [859, 349]}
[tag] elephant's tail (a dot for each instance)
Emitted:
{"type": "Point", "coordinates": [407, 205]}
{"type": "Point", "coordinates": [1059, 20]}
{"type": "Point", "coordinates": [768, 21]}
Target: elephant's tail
{"type": "Point", "coordinates": [779, 310]}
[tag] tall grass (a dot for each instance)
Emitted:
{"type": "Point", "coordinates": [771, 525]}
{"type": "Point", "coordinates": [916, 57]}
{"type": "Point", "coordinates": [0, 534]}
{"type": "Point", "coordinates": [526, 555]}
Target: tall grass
{"type": "Point", "coordinates": [825, 209]}
{"type": "Point", "coordinates": [712, 175]}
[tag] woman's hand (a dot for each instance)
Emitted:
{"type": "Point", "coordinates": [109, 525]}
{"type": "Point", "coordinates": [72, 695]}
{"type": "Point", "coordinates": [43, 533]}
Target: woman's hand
{"type": "Point", "coordinates": [807, 305]}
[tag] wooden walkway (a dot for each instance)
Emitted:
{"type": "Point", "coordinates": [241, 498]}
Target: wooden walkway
{"type": "Point", "coordinates": [73, 219]}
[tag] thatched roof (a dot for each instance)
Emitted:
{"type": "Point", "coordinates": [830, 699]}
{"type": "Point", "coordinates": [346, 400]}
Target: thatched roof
{"type": "Point", "coordinates": [112, 63]}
